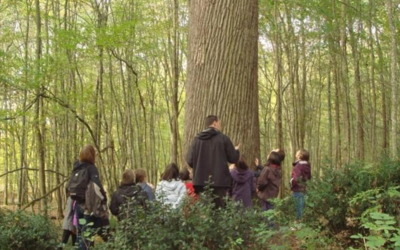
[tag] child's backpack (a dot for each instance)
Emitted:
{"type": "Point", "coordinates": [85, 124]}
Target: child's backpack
{"type": "Point", "coordinates": [79, 182]}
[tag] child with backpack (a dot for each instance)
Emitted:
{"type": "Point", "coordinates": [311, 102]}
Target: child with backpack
{"type": "Point", "coordinates": [141, 181]}
{"type": "Point", "coordinates": [128, 191]}
{"type": "Point", "coordinates": [270, 180]}
{"type": "Point", "coordinates": [301, 173]}
{"type": "Point", "coordinates": [171, 190]}
{"type": "Point", "coordinates": [243, 183]}
{"type": "Point", "coordinates": [86, 189]}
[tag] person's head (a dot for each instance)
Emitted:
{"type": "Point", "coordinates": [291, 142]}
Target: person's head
{"type": "Point", "coordinates": [273, 159]}
{"type": "Point", "coordinates": [128, 177]}
{"type": "Point", "coordinates": [87, 154]}
{"type": "Point", "coordinates": [171, 172]}
{"type": "Point", "coordinates": [213, 121]}
{"type": "Point", "coordinates": [303, 155]}
{"type": "Point", "coordinates": [241, 164]}
{"type": "Point", "coordinates": [140, 175]}
{"type": "Point", "coordinates": [184, 175]}
{"type": "Point", "coordinates": [281, 153]}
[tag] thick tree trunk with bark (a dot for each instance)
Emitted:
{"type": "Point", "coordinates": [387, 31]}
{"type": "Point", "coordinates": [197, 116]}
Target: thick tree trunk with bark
{"type": "Point", "coordinates": [222, 71]}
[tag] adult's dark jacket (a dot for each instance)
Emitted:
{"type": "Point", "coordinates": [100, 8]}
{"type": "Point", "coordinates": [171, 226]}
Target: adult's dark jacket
{"type": "Point", "coordinates": [129, 192]}
{"type": "Point", "coordinates": [209, 155]}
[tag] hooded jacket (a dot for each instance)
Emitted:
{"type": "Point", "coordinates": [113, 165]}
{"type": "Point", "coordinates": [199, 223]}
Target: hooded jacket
{"type": "Point", "coordinates": [171, 192]}
{"type": "Point", "coordinates": [301, 173]}
{"type": "Point", "coordinates": [125, 193]}
{"type": "Point", "coordinates": [269, 182]}
{"type": "Point", "coordinates": [243, 186]}
{"type": "Point", "coordinates": [209, 155]}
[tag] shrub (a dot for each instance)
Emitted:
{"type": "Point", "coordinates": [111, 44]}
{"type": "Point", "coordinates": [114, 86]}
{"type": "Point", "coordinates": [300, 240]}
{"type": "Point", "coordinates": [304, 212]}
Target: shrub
{"type": "Point", "coordinates": [23, 231]}
{"type": "Point", "coordinates": [191, 226]}
{"type": "Point", "coordinates": [337, 199]}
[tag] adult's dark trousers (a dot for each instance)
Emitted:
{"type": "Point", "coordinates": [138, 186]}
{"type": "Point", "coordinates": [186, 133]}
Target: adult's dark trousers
{"type": "Point", "coordinates": [219, 194]}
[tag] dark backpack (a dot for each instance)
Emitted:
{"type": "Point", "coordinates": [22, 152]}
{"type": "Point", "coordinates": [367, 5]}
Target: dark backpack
{"type": "Point", "coordinates": [78, 183]}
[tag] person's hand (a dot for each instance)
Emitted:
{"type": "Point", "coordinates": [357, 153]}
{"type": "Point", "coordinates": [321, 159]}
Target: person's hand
{"type": "Point", "coordinates": [237, 147]}
{"type": "Point", "coordinates": [257, 162]}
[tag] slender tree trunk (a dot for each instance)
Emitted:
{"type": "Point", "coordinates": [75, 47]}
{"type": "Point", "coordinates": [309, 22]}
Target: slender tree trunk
{"type": "Point", "coordinates": [372, 75]}
{"type": "Point", "coordinates": [6, 146]}
{"type": "Point", "coordinates": [23, 186]}
{"type": "Point", "coordinates": [39, 109]}
{"type": "Point", "coordinates": [385, 136]}
{"type": "Point", "coordinates": [345, 81]}
{"type": "Point", "coordinates": [393, 80]}
{"type": "Point", "coordinates": [357, 83]}
{"type": "Point", "coordinates": [222, 71]}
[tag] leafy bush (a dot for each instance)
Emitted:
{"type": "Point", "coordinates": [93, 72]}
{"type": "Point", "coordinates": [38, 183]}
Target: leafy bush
{"type": "Point", "coordinates": [381, 233]}
{"type": "Point", "coordinates": [339, 198]}
{"type": "Point", "coordinates": [194, 225]}
{"type": "Point", "coordinates": [23, 231]}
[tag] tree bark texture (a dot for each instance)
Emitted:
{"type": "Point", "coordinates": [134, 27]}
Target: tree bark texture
{"type": "Point", "coordinates": [222, 71]}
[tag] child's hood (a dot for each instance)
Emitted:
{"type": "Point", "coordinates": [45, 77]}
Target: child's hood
{"type": "Point", "coordinates": [241, 176]}
{"type": "Point", "coordinates": [170, 185]}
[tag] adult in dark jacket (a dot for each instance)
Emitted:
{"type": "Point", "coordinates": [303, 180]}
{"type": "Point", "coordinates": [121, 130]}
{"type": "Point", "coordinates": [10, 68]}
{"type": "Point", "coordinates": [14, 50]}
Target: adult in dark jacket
{"type": "Point", "coordinates": [209, 155]}
{"type": "Point", "coordinates": [243, 183]}
{"type": "Point", "coordinates": [87, 158]}
{"type": "Point", "coordinates": [128, 191]}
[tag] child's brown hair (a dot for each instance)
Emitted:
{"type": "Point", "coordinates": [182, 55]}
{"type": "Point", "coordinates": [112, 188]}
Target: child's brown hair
{"type": "Point", "coordinates": [303, 154]}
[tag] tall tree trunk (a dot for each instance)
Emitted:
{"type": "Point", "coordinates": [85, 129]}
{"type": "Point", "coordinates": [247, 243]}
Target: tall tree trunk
{"type": "Point", "coordinates": [23, 185]}
{"type": "Point", "coordinates": [345, 81]}
{"type": "Point", "coordinates": [385, 136]}
{"type": "Point", "coordinates": [357, 82]}
{"type": "Point", "coordinates": [39, 123]}
{"type": "Point", "coordinates": [372, 75]}
{"type": "Point", "coordinates": [393, 80]}
{"type": "Point", "coordinates": [222, 70]}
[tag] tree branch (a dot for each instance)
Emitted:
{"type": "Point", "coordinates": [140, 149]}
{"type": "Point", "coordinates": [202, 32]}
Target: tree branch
{"type": "Point", "coordinates": [31, 169]}
{"type": "Point", "coordinates": [47, 194]}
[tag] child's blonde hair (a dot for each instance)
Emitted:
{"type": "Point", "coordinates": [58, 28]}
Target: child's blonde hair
{"type": "Point", "coordinates": [303, 154]}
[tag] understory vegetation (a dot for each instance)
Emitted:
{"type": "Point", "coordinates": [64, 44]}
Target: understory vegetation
{"type": "Point", "coordinates": [355, 207]}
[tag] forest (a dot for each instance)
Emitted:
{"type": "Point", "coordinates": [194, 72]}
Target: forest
{"type": "Point", "coordinates": [136, 78]}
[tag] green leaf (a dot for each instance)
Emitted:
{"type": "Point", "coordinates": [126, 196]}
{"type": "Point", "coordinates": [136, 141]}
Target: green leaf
{"type": "Point", "coordinates": [82, 221]}
{"type": "Point", "coordinates": [375, 241]}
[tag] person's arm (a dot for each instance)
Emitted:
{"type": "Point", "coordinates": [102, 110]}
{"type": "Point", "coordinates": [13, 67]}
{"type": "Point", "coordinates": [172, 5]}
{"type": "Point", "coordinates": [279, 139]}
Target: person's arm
{"type": "Point", "coordinates": [150, 194]}
{"type": "Point", "coordinates": [232, 154]}
{"type": "Point", "coordinates": [189, 156]}
{"type": "Point", "coordinates": [296, 173]}
{"type": "Point", "coordinates": [263, 179]}
{"type": "Point", "coordinates": [94, 176]}
{"type": "Point", "coordinates": [253, 184]}
{"type": "Point", "coordinates": [181, 193]}
{"type": "Point", "coordinates": [114, 206]}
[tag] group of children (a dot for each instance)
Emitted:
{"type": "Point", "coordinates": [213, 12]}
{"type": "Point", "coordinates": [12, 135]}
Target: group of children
{"type": "Point", "coordinates": [175, 186]}
{"type": "Point", "coordinates": [266, 180]}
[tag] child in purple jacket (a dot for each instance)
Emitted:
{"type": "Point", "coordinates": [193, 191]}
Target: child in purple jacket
{"type": "Point", "coordinates": [301, 173]}
{"type": "Point", "coordinates": [243, 183]}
